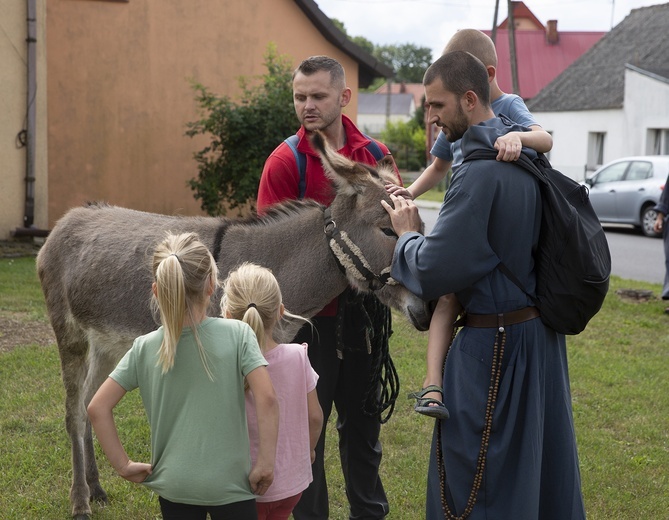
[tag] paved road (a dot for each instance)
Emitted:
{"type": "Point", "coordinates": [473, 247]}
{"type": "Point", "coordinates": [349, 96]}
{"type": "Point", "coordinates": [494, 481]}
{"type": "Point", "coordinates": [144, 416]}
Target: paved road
{"type": "Point", "coordinates": [633, 256]}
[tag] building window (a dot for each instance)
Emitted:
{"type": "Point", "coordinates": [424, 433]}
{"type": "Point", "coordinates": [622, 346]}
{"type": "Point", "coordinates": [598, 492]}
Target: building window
{"type": "Point", "coordinates": [658, 141]}
{"type": "Point", "coordinates": [595, 150]}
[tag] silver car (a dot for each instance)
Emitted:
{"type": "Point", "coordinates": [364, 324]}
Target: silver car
{"type": "Point", "coordinates": [624, 191]}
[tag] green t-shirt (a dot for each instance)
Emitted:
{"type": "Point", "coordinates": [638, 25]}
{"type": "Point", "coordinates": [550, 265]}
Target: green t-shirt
{"type": "Point", "coordinates": [199, 438]}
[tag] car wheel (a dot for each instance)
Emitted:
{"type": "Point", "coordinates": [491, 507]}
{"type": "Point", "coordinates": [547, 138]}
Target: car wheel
{"type": "Point", "coordinates": [648, 216]}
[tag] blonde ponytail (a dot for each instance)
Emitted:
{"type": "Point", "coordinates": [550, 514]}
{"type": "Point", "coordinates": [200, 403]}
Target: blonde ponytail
{"type": "Point", "coordinates": [184, 271]}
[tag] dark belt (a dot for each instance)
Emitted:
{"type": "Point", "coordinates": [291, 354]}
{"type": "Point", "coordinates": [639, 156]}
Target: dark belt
{"type": "Point", "coordinates": [498, 320]}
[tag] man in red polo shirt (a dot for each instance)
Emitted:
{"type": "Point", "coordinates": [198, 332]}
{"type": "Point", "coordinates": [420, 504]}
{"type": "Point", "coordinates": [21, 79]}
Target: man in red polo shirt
{"type": "Point", "coordinates": [341, 359]}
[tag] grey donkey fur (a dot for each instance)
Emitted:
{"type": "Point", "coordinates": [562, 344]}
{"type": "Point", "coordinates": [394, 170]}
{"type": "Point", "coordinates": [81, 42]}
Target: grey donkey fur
{"type": "Point", "coordinates": [95, 273]}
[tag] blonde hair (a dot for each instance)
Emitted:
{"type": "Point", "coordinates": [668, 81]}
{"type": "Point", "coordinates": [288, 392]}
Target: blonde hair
{"type": "Point", "coordinates": [184, 272]}
{"type": "Point", "coordinates": [476, 43]}
{"type": "Point", "coordinates": [251, 294]}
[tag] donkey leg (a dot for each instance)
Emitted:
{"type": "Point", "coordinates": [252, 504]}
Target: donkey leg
{"type": "Point", "coordinates": [73, 349]}
{"type": "Point", "coordinates": [101, 361]}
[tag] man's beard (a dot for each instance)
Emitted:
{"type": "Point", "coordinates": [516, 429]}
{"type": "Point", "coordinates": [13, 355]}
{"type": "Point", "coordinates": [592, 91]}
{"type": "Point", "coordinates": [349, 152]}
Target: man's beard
{"type": "Point", "coordinates": [457, 128]}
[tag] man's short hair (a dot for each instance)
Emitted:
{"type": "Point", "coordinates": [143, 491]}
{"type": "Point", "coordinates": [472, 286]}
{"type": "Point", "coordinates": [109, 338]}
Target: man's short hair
{"type": "Point", "coordinates": [318, 63]}
{"type": "Point", "coordinates": [460, 72]}
{"type": "Point", "coordinates": [476, 43]}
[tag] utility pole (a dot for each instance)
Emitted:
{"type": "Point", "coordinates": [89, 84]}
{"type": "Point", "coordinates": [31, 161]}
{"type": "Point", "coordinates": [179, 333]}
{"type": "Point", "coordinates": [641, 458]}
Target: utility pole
{"type": "Point", "coordinates": [512, 48]}
{"type": "Point", "coordinates": [494, 22]}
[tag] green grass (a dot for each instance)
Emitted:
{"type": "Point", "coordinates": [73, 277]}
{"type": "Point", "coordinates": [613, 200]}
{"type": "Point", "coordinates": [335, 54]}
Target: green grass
{"type": "Point", "coordinates": [620, 398]}
{"type": "Point", "coordinates": [433, 195]}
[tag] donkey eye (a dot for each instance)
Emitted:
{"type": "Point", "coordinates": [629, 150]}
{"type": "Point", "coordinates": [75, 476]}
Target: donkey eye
{"type": "Point", "coordinates": [389, 232]}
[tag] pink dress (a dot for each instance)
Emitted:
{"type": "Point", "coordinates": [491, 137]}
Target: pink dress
{"type": "Point", "coordinates": [292, 378]}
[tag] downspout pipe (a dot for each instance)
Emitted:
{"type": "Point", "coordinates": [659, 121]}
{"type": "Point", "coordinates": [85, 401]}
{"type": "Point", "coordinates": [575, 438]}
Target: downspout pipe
{"type": "Point", "coordinates": [29, 207]}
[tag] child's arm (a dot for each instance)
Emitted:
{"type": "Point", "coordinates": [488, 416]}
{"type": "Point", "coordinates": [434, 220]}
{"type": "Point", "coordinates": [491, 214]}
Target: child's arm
{"type": "Point", "coordinates": [510, 145]}
{"type": "Point", "coordinates": [430, 177]}
{"type": "Point", "coordinates": [439, 337]}
{"type": "Point", "coordinates": [315, 421]}
{"type": "Point", "coordinates": [102, 419]}
{"type": "Point", "coordinates": [267, 412]}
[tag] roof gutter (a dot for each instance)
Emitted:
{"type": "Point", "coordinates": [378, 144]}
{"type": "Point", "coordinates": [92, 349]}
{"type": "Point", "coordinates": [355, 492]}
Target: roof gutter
{"type": "Point", "coordinates": [29, 206]}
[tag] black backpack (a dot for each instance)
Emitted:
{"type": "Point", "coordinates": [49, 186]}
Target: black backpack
{"type": "Point", "coordinates": [572, 261]}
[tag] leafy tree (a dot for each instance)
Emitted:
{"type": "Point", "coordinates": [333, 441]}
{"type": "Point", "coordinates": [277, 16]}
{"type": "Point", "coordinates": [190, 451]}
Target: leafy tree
{"type": "Point", "coordinates": [242, 136]}
{"type": "Point", "coordinates": [408, 60]}
{"type": "Point", "coordinates": [406, 142]}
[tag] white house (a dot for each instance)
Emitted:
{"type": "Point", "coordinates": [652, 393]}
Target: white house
{"type": "Point", "coordinates": [614, 100]}
{"type": "Point", "coordinates": [374, 110]}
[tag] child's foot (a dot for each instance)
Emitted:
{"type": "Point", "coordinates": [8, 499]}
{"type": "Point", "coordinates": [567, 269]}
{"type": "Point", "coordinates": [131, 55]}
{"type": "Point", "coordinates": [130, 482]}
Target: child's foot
{"type": "Point", "coordinates": [427, 404]}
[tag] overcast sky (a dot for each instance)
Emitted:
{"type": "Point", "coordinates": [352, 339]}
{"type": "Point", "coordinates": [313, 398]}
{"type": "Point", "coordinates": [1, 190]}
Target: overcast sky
{"type": "Point", "coordinates": [431, 23]}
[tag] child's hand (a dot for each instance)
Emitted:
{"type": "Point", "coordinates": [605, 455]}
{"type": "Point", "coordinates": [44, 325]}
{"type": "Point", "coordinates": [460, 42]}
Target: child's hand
{"type": "Point", "coordinates": [509, 147]}
{"type": "Point", "coordinates": [399, 191]}
{"type": "Point", "coordinates": [135, 471]}
{"type": "Point", "coordinates": [261, 478]}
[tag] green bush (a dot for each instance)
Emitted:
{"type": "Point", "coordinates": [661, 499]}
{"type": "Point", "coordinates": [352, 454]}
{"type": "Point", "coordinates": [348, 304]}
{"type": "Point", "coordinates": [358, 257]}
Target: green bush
{"type": "Point", "coordinates": [243, 134]}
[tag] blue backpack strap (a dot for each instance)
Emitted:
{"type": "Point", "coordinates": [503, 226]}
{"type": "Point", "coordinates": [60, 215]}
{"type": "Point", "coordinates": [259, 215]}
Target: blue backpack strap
{"type": "Point", "coordinates": [300, 161]}
{"type": "Point", "coordinates": [374, 148]}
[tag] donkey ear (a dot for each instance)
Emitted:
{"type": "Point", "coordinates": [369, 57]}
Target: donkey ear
{"type": "Point", "coordinates": [386, 161]}
{"type": "Point", "coordinates": [350, 177]}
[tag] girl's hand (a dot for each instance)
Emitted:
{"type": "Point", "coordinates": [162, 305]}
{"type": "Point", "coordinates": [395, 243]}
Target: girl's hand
{"type": "Point", "coordinates": [261, 478]}
{"type": "Point", "coordinates": [399, 191]}
{"type": "Point", "coordinates": [135, 471]}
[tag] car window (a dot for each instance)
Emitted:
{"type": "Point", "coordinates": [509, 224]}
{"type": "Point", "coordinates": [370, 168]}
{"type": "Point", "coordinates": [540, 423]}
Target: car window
{"type": "Point", "coordinates": [639, 170]}
{"type": "Point", "coordinates": [612, 173]}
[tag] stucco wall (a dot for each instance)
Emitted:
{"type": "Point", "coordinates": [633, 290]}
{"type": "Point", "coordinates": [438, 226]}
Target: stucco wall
{"type": "Point", "coordinates": [570, 137]}
{"type": "Point", "coordinates": [119, 92]}
{"type": "Point", "coordinates": [649, 98]}
{"type": "Point", "coordinates": [13, 107]}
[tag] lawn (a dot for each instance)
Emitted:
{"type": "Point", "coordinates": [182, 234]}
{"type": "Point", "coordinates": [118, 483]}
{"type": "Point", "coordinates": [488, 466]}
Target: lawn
{"type": "Point", "coordinates": [620, 398]}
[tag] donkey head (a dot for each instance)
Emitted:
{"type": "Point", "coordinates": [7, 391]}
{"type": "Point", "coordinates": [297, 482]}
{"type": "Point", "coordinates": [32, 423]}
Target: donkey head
{"type": "Point", "coordinates": [360, 232]}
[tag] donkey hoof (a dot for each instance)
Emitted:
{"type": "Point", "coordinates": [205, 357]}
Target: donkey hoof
{"type": "Point", "coordinates": [99, 495]}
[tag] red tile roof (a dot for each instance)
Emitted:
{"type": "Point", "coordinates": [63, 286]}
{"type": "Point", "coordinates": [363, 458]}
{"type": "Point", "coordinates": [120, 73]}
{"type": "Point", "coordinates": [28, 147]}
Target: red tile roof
{"type": "Point", "coordinates": [538, 61]}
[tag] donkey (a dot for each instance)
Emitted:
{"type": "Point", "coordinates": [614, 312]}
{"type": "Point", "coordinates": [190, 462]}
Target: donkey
{"type": "Point", "coordinates": [95, 273]}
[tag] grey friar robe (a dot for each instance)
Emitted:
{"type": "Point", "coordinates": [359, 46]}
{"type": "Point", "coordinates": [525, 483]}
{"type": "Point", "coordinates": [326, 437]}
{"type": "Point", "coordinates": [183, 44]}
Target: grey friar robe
{"type": "Point", "coordinates": [492, 213]}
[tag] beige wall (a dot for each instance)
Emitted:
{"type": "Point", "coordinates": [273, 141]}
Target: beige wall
{"type": "Point", "coordinates": [13, 110]}
{"type": "Point", "coordinates": [119, 93]}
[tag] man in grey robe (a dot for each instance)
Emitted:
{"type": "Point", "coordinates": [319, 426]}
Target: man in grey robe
{"type": "Point", "coordinates": [508, 450]}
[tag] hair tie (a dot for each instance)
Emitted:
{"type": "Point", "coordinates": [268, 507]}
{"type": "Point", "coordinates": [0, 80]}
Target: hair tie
{"type": "Point", "coordinates": [251, 305]}
{"type": "Point", "coordinates": [174, 254]}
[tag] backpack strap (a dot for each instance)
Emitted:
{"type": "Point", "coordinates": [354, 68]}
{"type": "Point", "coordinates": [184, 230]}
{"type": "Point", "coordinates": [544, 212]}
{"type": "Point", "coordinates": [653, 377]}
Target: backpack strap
{"type": "Point", "coordinates": [301, 160]}
{"type": "Point", "coordinates": [374, 148]}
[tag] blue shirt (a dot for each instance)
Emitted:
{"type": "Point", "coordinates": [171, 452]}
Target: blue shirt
{"type": "Point", "coordinates": [509, 105]}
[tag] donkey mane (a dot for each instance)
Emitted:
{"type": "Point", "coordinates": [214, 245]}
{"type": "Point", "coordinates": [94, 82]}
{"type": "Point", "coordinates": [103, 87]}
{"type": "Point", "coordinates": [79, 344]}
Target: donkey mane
{"type": "Point", "coordinates": [286, 210]}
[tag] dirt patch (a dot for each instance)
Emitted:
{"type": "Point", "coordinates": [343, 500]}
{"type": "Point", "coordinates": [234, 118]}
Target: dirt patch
{"type": "Point", "coordinates": [636, 295]}
{"type": "Point", "coordinates": [19, 329]}
{"type": "Point", "coordinates": [17, 248]}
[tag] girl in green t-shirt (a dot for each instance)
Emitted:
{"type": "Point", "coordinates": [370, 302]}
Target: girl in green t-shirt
{"type": "Point", "coordinates": [190, 373]}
